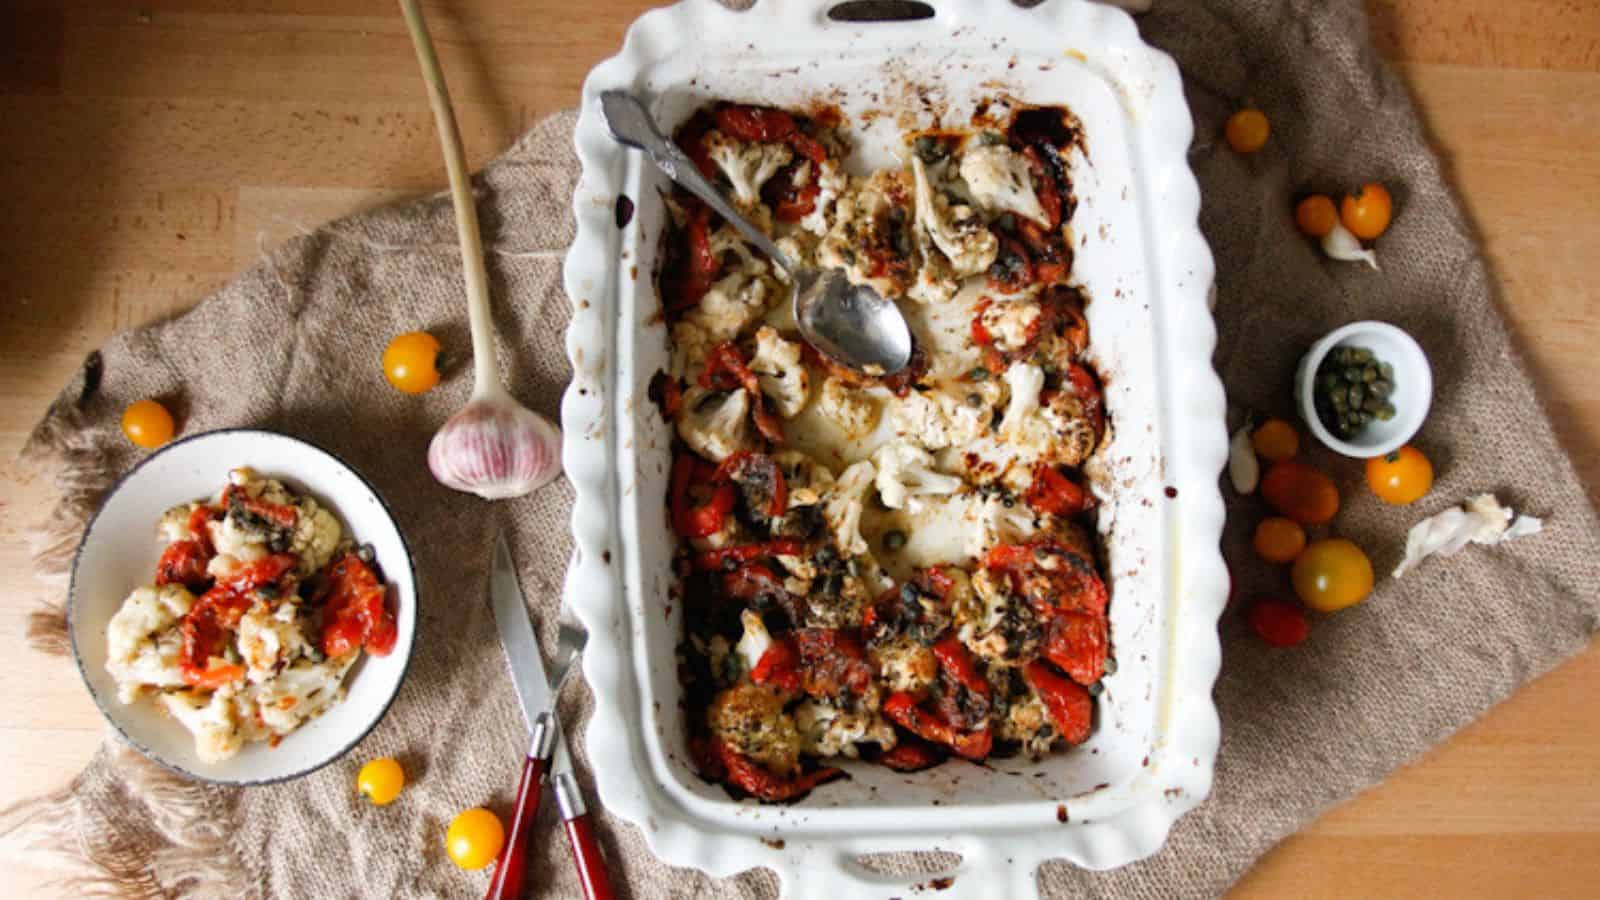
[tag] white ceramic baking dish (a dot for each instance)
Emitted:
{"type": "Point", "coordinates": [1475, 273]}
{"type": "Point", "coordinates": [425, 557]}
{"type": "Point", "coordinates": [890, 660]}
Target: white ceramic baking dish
{"type": "Point", "coordinates": [1147, 269]}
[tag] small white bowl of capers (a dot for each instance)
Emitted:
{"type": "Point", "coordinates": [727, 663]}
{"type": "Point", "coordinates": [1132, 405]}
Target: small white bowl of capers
{"type": "Point", "coordinates": [1364, 389]}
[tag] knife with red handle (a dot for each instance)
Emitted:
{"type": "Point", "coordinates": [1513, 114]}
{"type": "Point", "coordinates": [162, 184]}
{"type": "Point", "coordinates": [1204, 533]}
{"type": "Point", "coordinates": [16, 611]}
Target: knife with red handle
{"type": "Point", "coordinates": [547, 751]}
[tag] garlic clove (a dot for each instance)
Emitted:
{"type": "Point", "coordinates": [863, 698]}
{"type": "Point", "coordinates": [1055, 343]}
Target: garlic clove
{"type": "Point", "coordinates": [1244, 470]}
{"type": "Point", "coordinates": [1340, 244]}
{"type": "Point", "coordinates": [495, 448]}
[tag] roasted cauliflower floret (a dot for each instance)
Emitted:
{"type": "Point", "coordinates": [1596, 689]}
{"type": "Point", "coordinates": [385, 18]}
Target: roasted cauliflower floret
{"type": "Point", "coordinates": [1009, 322]}
{"type": "Point", "coordinates": [992, 522]}
{"type": "Point", "coordinates": [213, 720]}
{"type": "Point", "coordinates": [1001, 181]}
{"type": "Point", "coordinates": [996, 625]}
{"type": "Point", "coordinates": [934, 419]}
{"type": "Point", "coordinates": [727, 240]}
{"type": "Point", "coordinates": [301, 691]}
{"type": "Point", "coordinates": [174, 524]}
{"type": "Point", "coordinates": [832, 182]}
{"type": "Point", "coordinates": [842, 507]}
{"type": "Point", "coordinates": [958, 231]}
{"type": "Point", "coordinates": [142, 642]}
{"type": "Point", "coordinates": [871, 234]}
{"type": "Point", "coordinates": [807, 479]}
{"type": "Point", "coordinates": [853, 410]}
{"type": "Point", "coordinates": [747, 165]}
{"type": "Point", "coordinates": [749, 718]}
{"type": "Point", "coordinates": [270, 638]}
{"type": "Point", "coordinates": [782, 373]}
{"type": "Point", "coordinates": [904, 664]}
{"type": "Point", "coordinates": [755, 641]}
{"type": "Point", "coordinates": [715, 425]}
{"type": "Point", "coordinates": [1027, 722]}
{"type": "Point", "coordinates": [316, 535]}
{"type": "Point", "coordinates": [906, 472]}
{"type": "Point", "coordinates": [826, 730]}
{"type": "Point", "coordinates": [1071, 435]}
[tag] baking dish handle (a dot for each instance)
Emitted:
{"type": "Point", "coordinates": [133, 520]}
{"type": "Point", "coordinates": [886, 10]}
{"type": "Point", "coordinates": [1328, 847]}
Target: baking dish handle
{"type": "Point", "coordinates": [856, 12]}
{"type": "Point", "coordinates": [983, 874]}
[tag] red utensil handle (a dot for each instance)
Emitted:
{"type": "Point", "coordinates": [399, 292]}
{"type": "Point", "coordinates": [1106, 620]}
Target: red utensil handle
{"type": "Point", "coordinates": [586, 852]}
{"type": "Point", "coordinates": [513, 863]}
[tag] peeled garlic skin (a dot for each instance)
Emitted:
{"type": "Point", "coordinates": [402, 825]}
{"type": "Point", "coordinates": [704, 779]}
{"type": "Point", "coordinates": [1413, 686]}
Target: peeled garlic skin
{"type": "Point", "coordinates": [495, 448]}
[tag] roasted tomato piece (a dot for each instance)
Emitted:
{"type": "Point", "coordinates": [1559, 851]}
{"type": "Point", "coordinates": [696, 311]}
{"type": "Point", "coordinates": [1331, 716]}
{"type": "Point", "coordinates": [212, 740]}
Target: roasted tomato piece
{"type": "Point", "coordinates": [697, 504]}
{"type": "Point", "coordinates": [760, 480]}
{"type": "Point", "coordinates": [833, 662]}
{"type": "Point", "coordinates": [217, 612]}
{"type": "Point", "coordinates": [1045, 186]}
{"type": "Point", "coordinates": [779, 666]}
{"type": "Point", "coordinates": [1068, 703]}
{"type": "Point", "coordinates": [184, 562]}
{"type": "Point", "coordinates": [1088, 392]}
{"type": "Point", "coordinates": [792, 202]}
{"type": "Point", "coordinates": [1052, 576]}
{"type": "Point", "coordinates": [667, 394]}
{"type": "Point", "coordinates": [1076, 643]}
{"type": "Point", "coordinates": [691, 267]}
{"type": "Point", "coordinates": [955, 660]}
{"type": "Point", "coordinates": [691, 137]}
{"type": "Point", "coordinates": [727, 370]}
{"type": "Point", "coordinates": [719, 761]}
{"type": "Point", "coordinates": [730, 558]}
{"type": "Point", "coordinates": [768, 126]}
{"type": "Point", "coordinates": [902, 709]}
{"type": "Point", "coordinates": [277, 515]}
{"type": "Point", "coordinates": [752, 581]}
{"type": "Point", "coordinates": [1054, 493]}
{"type": "Point", "coordinates": [912, 754]}
{"type": "Point", "coordinates": [355, 612]}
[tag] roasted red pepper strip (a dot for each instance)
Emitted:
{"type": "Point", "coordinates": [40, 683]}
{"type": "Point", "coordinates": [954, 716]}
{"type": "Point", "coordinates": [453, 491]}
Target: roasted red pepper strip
{"type": "Point", "coordinates": [691, 137]}
{"type": "Point", "coordinates": [1055, 494]}
{"type": "Point", "coordinates": [902, 709]}
{"type": "Point", "coordinates": [1076, 643]}
{"type": "Point", "coordinates": [980, 331]}
{"type": "Point", "coordinates": [280, 515]}
{"type": "Point", "coordinates": [1070, 583]}
{"type": "Point", "coordinates": [693, 268]}
{"type": "Point", "coordinates": [779, 666]}
{"type": "Point", "coordinates": [1068, 703]}
{"type": "Point", "coordinates": [754, 779]}
{"type": "Point", "coordinates": [832, 662]}
{"type": "Point", "coordinates": [768, 126]}
{"type": "Point", "coordinates": [956, 659]}
{"type": "Point", "coordinates": [718, 559]}
{"type": "Point", "coordinates": [912, 754]}
{"type": "Point", "coordinates": [693, 520]}
{"type": "Point", "coordinates": [184, 562]}
{"type": "Point", "coordinates": [667, 394]}
{"type": "Point", "coordinates": [791, 202]}
{"type": "Point", "coordinates": [761, 479]}
{"type": "Point", "coordinates": [354, 612]}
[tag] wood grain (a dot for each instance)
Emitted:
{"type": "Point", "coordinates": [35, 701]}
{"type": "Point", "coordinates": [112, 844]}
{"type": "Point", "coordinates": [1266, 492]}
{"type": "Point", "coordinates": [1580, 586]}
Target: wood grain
{"type": "Point", "coordinates": [153, 149]}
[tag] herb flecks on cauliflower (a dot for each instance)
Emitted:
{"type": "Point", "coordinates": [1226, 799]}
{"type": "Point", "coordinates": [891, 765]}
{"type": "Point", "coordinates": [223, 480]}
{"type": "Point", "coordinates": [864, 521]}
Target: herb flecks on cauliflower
{"type": "Point", "coordinates": [842, 507]}
{"type": "Point", "coordinates": [779, 368]}
{"type": "Point", "coordinates": [1001, 181]}
{"type": "Point", "coordinates": [853, 410]}
{"type": "Point", "coordinates": [934, 420]}
{"type": "Point", "coordinates": [906, 472]}
{"type": "Point", "coordinates": [958, 231]}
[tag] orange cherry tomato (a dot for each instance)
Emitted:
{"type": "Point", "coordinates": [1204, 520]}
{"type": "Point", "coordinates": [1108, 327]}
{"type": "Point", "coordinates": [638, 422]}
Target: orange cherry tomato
{"type": "Point", "coordinates": [1366, 213]}
{"type": "Point", "coordinates": [1401, 477]}
{"type": "Point", "coordinates": [1300, 492]}
{"type": "Point", "coordinates": [1276, 440]}
{"type": "Point", "coordinates": [1247, 130]}
{"type": "Point", "coordinates": [147, 423]}
{"type": "Point", "coordinates": [410, 362]}
{"type": "Point", "coordinates": [1331, 575]}
{"type": "Point", "coordinates": [1315, 215]}
{"type": "Point", "coordinates": [1279, 540]}
{"type": "Point", "coordinates": [474, 838]}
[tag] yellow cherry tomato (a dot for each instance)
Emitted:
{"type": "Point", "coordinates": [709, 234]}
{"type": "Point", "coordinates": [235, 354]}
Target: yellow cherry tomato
{"type": "Point", "coordinates": [1300, 492]}
{"type": "Point", "coordinates": [1366, 213]}
{"type": "Point", "coordinates": [1315, 215]}
{"type": "Point", "coordinates": [1401, 477]}
{"type": "Point", "coordinates": [410, 362]}
{"type": "Point", "coordinates": [1332, 574]}
{"type": "Point", "coordinates": [147, 423]}
{"type": "Point", "coordinates": [475, 838]}
{"type": "Point", "coordinates": [1247, 130]}
{"type": "Point", "coordinates": [1276, 440]}
{"type": "Point", "coordinates": [1279, 540]}
{"type": "Point", "coordinates": [381, 780]}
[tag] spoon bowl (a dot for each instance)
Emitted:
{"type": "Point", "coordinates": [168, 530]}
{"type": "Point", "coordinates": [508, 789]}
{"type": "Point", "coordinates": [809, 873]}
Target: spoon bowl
{"type": "Point", "coordinates": [852, 324]}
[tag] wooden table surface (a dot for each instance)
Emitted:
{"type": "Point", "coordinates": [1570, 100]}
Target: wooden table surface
{"type": "Point", "coordinates": [149, 150]}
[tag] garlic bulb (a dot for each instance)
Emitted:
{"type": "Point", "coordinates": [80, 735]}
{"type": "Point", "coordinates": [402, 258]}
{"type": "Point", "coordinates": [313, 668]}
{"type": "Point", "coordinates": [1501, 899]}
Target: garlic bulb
{"type": "Point", "coordinates": [1244, 470]}
{"type": "Point", "coordinates": [1340, 244]}
{"type": "Point", "coordinates": [495, 448]}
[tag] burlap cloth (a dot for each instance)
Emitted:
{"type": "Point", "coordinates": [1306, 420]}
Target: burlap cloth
{"type": "Point", "coordinates": [293, 344]}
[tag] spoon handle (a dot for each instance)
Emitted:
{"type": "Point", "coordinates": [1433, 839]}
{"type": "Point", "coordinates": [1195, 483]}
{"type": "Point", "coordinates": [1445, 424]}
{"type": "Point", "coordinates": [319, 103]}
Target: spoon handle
{"type": "Point", "coordinates": [632, 124]}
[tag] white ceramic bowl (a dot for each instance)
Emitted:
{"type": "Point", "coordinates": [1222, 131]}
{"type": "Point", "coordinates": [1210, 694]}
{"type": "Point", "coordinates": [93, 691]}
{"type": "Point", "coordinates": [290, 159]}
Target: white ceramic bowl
{"type": "Point", "coordinates": [119, 552]}
{"type": "Point", "coordinates": [1413, 388]}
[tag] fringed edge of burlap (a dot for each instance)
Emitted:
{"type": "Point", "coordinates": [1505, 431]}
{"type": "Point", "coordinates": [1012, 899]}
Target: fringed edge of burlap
{"type": "Point", "coordinates": [183, 839]}
{"type": "Point", "coordinates": [182, 843]}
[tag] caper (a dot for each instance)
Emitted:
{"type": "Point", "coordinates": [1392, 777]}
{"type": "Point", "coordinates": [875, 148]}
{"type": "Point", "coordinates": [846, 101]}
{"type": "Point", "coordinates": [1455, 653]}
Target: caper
{"type": "Point", "coordinates": [1385, 412]}
{"type": "Point", "coordinates": [894, 540]}
{"type": "Point", "coordinates": [1357, 395]}
{"type": "Point", "coordinates": [1007, 222]}
{"type": "Point", "coordinates": [1352, 374]}
{"type": "Point", "coordinates": [1361, 355]}
{"type": "Point", "coordinates": [1338, 395]}
{"type": "Point", "coordinates": [1369, 374]}
{"type": "Point", "coordinates": [1330, 381]}
{"type": "Point", "coordinates": [1372, 403]}
{"type": "Point", "coordinates": [1386, 370]}
{"type": "Point", "coordinates": [974, 401]}
{"type": "Point", "coordinates": [1379, 388]}
{"type": "Point", "coordinates": [978, 374]}
{"type": "Point", "coordinates": [930, 149]}
{"type": "Point", "coordinates": [990, 138]}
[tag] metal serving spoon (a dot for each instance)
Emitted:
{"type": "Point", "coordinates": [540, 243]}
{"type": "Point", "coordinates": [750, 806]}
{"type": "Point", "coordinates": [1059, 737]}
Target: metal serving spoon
{"type": "Point", "coordinates": [853, 324]}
